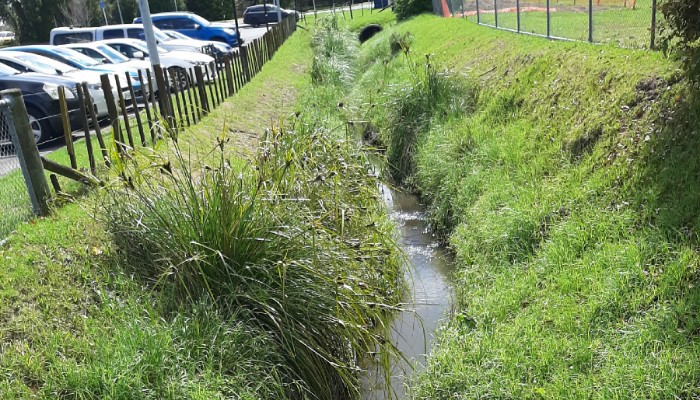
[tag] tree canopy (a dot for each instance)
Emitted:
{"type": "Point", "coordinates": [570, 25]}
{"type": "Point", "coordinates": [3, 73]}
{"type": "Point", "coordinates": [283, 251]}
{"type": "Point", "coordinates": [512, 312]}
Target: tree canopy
{"type": "Point", "coordinates": [33, 20]}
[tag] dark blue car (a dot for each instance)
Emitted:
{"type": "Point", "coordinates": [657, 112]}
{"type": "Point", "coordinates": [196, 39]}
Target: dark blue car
{"type": "Point", "coordinates": [195, 26]}
{"type": "Point", "coordinates": [40, 94]}
{"type": "Point", "coordinates": [265, 13]}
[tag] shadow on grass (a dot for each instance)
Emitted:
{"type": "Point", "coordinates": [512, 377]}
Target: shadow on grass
{"type": "Point", "coordinates": [667, 175]}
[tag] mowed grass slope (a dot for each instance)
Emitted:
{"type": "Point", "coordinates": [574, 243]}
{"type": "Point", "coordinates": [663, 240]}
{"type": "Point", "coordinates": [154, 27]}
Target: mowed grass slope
{"type": "Point", "coordinates": [565, 178]}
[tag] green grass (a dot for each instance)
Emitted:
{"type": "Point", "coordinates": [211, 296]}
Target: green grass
{"type": "Point", "coordinates": [18, 206]}
{"type": "Point", "coordinates": [612, 23]}
{"type": "Point", "coordinates": [569, 196]}
{"type": "Point", "coordinates": [77, 321]}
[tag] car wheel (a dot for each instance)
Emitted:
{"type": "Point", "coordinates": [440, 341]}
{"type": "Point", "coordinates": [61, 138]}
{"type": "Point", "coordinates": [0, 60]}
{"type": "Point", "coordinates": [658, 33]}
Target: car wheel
{"type": "Point", "coordinates": [39, 124]}
{"type": "Point", "coordinates": [178, 78]}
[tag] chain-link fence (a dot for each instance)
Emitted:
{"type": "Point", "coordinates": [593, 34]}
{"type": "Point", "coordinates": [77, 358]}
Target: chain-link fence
{"type": "Point", "coordinates": [628, 23]}
{"type": "Point", "coordinates": [15, 204]}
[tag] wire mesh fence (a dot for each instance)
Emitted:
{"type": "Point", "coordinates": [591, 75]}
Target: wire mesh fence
{"type": "Point", "coordinates": [14, 197]}
{"type": "Point", "coordinates": [628, 23]}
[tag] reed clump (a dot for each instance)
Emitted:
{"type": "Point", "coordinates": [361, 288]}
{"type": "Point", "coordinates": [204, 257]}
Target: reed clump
{"type": "Point", "coordinates": [295, 245]}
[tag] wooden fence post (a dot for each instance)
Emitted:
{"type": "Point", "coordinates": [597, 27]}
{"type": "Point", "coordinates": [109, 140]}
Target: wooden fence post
{"type": "Point", "coordinates": [219, 85]}
{"type": "Point", "coordinates": [244, 63]}
{"type": "Point", "coordinates": [229, 75]}
{"type": "Point", "coordinates": [200, 88]}
{"type": "Point", "coordinates": [211, 99]}
{"type": "Point", "coordinates": [176, 93]}
{"type": "Point", "coordinates": [112, 109]}
{"type": "Point", "coordinates": [163, 94]}
{"type": "Point", "coordinates": [146, 104]}
{"type": "Point", "coordinates": [152, 95]}
{"type": "Point", "coordinates": [183, 95]}
{"type": "Point", "coordinates": [67, 133]}
{"type": "Point", "coordinates": [27, 151]}
{"type": "Point", "coordinates": [125, 114]}
{"type": "Point", "coordinates": [96, 124]}
{"type": "Point", "coordinates": [84, 106]}
{"type": "Point", "coordinates": [194, 101]}
{"type": "Point", "coordinates": [135, 105]}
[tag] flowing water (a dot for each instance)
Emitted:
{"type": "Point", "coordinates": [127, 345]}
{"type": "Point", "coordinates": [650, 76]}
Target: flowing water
{"type": "Point", "coordinates": [430, 299]}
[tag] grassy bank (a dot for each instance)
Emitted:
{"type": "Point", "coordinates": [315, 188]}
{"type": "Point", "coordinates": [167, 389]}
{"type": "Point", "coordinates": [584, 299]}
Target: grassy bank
{"type": "Point", "coordinates": [564, 177]}
{"type": "Point", "coordinates": [144, 292]}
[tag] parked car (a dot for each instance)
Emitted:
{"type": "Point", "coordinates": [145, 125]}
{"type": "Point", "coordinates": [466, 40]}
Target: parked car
{"type": "Point", "coordinates": [196, 27]}
{"type": "Point", "coordinates": [217, 49]}
{"type": "Point", "coordinates": [68, 35]}
{"type": "Point", "coordinates": [7, 38]}
{"type": "Point", "coordinates": [40, 94]}
{"type": "Point", "coordinates": [29, 62]}
{"type": "Point", "coordinates": [172, 61]}
{"type": "Point", "coordinates": [103, 53]}
{"type": "Point", "coordinates": [265, 13]}
{"type": "Point", "coordinates": [79, 61]}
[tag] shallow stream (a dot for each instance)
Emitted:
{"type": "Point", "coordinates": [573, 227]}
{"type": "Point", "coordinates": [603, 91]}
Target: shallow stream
{"type": "Point", "coordinates": [430, 299]}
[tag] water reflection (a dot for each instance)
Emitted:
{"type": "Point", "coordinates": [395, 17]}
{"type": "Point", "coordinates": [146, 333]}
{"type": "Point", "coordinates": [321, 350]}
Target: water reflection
{"type": "Point", "coordinates": [431, 296]}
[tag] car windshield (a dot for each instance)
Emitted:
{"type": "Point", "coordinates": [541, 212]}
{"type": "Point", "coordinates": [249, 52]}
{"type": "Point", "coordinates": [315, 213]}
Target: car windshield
{"type": "Point", "coordinates": [44, 65]}
{"type": "Point", "coordinates": [177, 35]}
{"type": "Point", "coordinates": [7, 71]}
{"type": "Point", "coordinates": [75, 57]}
{"type": "Point", "coordinates": [200, 20]}
{"type": "Point", "coordinates": [141, 45]}
{"type": "Point", "coordinates": [160, 35]}
{"type": "Point", "coordinates": [111, 54]}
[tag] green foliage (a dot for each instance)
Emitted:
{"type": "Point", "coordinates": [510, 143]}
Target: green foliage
{"type": "Point", "coordinates": [283, 248]}
{"type": "Point", "coordinates": [405, 9]}
{"type": "Point", "coordinates": [32, 20]}
{"type": "Point", "coordinates": [680, 33]}
{"type": "Point", "coordinates": [412, 108]}
{"type": "Point", "coordinates": [335, 53]}
{"type": "Point", "coordinates": [400, 42]}
{"type": "Point", "coordinates": [130, 9]}
{"type": "Point", "coordinates": [213, 10]}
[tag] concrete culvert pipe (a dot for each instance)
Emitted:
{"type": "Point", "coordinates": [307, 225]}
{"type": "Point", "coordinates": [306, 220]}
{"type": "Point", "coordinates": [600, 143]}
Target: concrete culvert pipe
{"type": "Point", "coordinates": [368, 31]}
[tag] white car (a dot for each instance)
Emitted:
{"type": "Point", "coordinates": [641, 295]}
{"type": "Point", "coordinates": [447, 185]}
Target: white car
{"type": "Point", "coordinates": [29, 62]}
{"type": "Point", "coordinates": [172, 61]}
{"type": "Point", "coordinates": [6, 38]}
{"type": "Point", "coordinates": [69, 35]}
{"type": "Point", "coordinates": [103, 53]}
{"type": "Point", "coordinates": [219, 49]}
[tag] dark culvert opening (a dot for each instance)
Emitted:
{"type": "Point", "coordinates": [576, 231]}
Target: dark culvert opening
{"type": "Point", "coordinates": [368, 31]}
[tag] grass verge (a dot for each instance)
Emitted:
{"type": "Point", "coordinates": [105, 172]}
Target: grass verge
{"type": "Point", "coordinates": [568, 192]}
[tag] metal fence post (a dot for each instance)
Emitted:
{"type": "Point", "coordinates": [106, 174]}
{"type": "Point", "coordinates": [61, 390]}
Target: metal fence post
{"type": "Point", "coordinates": [27, 151]}
{"type": "Point", "coordinates": [517, 13]}
{"type": "Point", "coordinates": [478, 14]}
{"type": "Point", "coordinates": [548, 19]}
{"type": "Point", "coordinates": [652, 42]}
{"type": "Point", "coordinates": [495, 12]}
{"type": "Point", "coordinates": [590, 21]}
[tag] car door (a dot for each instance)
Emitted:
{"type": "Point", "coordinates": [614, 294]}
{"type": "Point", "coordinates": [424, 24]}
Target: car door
{"type": "Point", "coordinates": [18, 67]}
{"type": "Point", "coordinates": [125, 49]}
{"type": "Point", "coordinates": [92, 54]}
{"type": "Point", "coordinates": [188, 27]}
